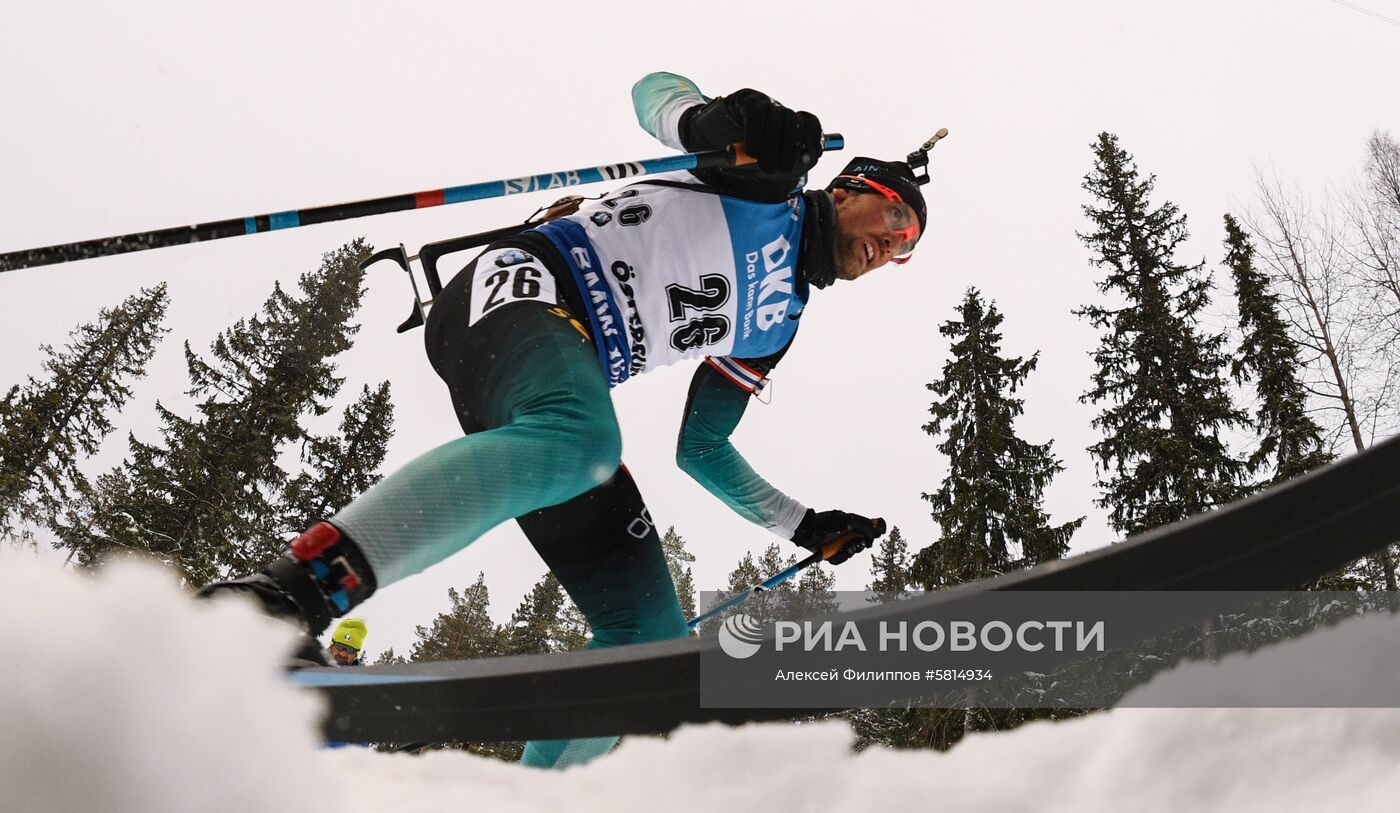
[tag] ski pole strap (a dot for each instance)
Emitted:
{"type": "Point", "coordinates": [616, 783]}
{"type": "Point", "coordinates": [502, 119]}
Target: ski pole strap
{"type": "Point", "coordinates": [733, 155]}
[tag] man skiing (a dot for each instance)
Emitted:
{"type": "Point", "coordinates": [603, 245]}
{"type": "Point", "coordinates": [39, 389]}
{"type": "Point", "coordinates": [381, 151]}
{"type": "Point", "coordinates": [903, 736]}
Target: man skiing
{"type": "Point", "coordinates": [715, 265]}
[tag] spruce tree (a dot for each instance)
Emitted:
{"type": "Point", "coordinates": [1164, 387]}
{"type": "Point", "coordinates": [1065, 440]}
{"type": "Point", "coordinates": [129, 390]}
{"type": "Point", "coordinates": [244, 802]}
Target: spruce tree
{"type": "Point", "coordinates": [1269, 356]}
{"type": "Point", "coordinates": [207, 497]}
{"type": "Point", "coordinates": [341, 467]}
{"type": "Point", "coordinates": [988, 508]}
{"type": "Point", "coordinates": [49, 425]}
{"type": "Point", "coordinates": [464, 631]}
{"type": "Point", "coordinates": [678, 560]}
{"type": "Point", "coordinates": [1159, 375]}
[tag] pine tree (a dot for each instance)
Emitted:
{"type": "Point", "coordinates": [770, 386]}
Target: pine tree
{"type": "Point", "coordinates": [464, 631]}
{"type": "Point", "coordinates": [1159, 374]}
{"type": "Point", "coordinates": [773, 561]}
{"type": "Point", "coordinates": [571, 632]}
{"type": "Point", "coordinates": [744, 574]}
{"type": "Point", "coordinates": [810, 594]}
{"type": "Point", "coordinates": [889, 568]}
{"type": "Point", "coordinates": [907, 728]}
{"type": "Point", "coordinates": [387, 657]}
{"type": "Point", "coordinates": [531, 629]}
{"type": "Point", "coordinates": [740, 578]}
{"type": "Point", "coordinates": [1270, 356]}
{"type": "Point", "coordinates": [47, 425]}
{"type": "Point", "coordinates": [814, 594]}
{"type": "Point", "coordinates": [765, 606]}
{"type": "Point", "coordinates": [344, 466]}
{"type": "Point", "coordinates": [988, 508]}
{"type": "Point", "coordinates": [678, 560]}
{"type": "Point", "coordinates": [207, 497]}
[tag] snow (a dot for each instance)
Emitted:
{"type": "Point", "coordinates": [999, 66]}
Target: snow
{"type": "Point", "coordinates": [121, 694]}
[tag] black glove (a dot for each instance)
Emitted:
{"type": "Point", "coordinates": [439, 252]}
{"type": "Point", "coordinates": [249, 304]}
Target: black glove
{"type": "Point", "coordinates": [785, 142]}
{"type": "Point", "coordinates": [816, 530]}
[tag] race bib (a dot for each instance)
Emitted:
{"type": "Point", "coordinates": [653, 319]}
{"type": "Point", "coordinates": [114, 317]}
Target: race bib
{"type": "Point", "coordinates": [508, 275]}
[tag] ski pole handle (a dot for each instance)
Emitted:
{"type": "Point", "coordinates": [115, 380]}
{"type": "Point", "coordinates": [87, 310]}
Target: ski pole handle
{"type": "Point", "coordinates": [833, 547]}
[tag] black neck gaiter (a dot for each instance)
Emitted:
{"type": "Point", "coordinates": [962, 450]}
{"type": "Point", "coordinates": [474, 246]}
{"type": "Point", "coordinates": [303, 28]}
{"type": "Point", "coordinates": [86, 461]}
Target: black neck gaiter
{"type": "Point", "coordinates": [817, 256]}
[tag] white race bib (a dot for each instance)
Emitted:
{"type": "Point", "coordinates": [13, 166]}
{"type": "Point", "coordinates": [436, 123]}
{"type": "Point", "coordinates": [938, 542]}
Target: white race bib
{"type": "Point", "coordinates": [506, 275]}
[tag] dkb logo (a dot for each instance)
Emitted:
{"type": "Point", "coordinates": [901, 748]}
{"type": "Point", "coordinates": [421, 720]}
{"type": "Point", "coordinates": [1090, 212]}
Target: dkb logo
{"type": "Point", "coordinates": [740, 636]}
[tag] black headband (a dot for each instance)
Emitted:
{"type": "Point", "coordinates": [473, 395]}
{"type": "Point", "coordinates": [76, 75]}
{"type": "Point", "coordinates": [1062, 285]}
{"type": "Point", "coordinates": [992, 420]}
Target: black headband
{"type": "Point", "coordinates": [894, 174]}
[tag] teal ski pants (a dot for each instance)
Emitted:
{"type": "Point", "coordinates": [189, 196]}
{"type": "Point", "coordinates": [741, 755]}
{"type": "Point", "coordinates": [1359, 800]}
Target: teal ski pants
{"type": "Point", "coordinates": [542, 446]}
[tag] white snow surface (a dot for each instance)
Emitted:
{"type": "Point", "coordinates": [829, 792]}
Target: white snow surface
{"type": "Point", "coordinates": [119, 693]}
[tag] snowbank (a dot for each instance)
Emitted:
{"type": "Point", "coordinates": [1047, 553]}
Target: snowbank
{"type": "Point", "coordinates": [120, 693]}
{"type": "Point", "coordinates": [123, 695]}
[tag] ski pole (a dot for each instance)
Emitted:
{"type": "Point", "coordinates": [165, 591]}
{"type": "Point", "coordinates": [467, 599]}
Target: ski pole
{"type": "Point", "coordinates": [731, 156]}
{"type": "Point", "coordinates": [827, 551]}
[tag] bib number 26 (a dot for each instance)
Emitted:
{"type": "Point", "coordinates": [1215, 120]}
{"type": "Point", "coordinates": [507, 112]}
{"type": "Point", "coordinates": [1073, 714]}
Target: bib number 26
{"type": "Point", "coordinates": [506, 276]}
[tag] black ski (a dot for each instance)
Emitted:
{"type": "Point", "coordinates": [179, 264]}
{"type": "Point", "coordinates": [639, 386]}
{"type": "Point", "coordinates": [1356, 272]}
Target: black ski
{"type": "Point", "coordinates": [1275, 540]}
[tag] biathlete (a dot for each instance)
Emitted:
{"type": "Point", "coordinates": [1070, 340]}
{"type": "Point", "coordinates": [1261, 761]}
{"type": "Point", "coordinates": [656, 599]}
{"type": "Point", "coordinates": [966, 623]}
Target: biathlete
{"type": "Point", "coordinates": [717, 265]}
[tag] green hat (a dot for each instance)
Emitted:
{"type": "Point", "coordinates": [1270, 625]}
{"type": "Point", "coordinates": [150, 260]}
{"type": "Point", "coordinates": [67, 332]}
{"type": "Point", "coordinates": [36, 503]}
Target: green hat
{"type": "Point", "coordinates": [351, 633]}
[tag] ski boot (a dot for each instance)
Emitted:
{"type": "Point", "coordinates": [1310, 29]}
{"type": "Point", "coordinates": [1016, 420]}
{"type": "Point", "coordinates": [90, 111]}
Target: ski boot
{"type": "Point", "coordinates": [321, 576]}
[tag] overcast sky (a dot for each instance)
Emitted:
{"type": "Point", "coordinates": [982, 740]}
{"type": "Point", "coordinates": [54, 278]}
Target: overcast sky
{"type": "Point", "coordinates": [148, 114]}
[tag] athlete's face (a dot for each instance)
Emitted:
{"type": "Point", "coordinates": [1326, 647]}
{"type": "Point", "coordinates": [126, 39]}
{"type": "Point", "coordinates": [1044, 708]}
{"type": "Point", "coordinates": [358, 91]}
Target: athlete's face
{"type": "Point", "coordinates": [343, 654]}
{"type": "Point", "coordinates": [871, 230]}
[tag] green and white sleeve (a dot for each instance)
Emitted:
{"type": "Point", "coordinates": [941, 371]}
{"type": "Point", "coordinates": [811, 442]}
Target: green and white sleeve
{"type": "Point", "coordinates": [716, 404]}
{"type": "Point", "coordinates": [659, 100]}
